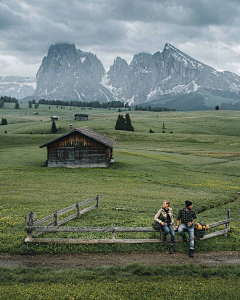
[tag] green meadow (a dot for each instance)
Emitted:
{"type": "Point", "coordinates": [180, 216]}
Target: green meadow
{"type": "Point", "coordinates": [182, 282]}
{"type": "Point", "coordinates": [199, 161]}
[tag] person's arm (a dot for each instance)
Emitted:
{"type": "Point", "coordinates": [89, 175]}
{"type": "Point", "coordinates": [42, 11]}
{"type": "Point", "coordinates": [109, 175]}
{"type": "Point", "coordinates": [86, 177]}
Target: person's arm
{"type": "Point", "coordinates": [156, 218]}
{"type": "Point", "coordinates": [191, 223]}
{"type": "Point", "coordinates": [194, 219]}
{"type": "Point", "coordinates": [172, 219]}
{"type": "Point", "coordinates": [178, 219]}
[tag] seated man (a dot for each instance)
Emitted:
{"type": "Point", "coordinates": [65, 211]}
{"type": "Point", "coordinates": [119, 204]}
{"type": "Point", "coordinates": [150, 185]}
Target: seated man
{"type": "Point", "coordinates": [187, 216]}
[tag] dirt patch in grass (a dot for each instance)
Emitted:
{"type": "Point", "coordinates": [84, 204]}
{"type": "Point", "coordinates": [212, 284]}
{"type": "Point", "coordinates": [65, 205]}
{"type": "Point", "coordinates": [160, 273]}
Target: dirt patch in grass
{"type": "Point", "coordinates": [118, 259]}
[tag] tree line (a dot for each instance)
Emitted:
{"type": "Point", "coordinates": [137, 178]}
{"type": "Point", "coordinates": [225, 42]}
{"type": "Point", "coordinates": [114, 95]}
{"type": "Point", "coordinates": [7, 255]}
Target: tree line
{"type": "Point", "coordinates": [9, 100]}
{"type": "Point", "coordinates": [93, 104]}
{"type": "Point", "coordinates": [149, 108]}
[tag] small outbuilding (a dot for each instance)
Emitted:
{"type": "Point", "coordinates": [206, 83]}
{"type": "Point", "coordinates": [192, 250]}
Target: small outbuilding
{"type": "Point", "coordinates": [81, 117]}
{"type": "Point", "coordinates": [80, 148]}
{"type": "Point", "coordinates": [54, 118]}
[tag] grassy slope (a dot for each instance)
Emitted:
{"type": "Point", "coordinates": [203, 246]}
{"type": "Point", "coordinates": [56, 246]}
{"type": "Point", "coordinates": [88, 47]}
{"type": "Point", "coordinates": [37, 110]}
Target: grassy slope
{"type": "Point", "coordinates": [199, 162]}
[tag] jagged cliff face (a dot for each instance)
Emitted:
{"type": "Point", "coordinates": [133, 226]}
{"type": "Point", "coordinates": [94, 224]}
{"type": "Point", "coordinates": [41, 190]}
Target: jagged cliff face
{"type": "Point", "coordinates": [149, 77]}
{"type": "Point", "coordinates": [17, 87]}
{"type": "Point", "coordinates": [67, 73]}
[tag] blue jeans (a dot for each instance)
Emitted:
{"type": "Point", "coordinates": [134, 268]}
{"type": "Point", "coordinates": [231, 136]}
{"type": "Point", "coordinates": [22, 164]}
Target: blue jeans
{"type": "Point", "coordinates": [167, 229]}
{"type": "Point", "coordinates": [183, 228]}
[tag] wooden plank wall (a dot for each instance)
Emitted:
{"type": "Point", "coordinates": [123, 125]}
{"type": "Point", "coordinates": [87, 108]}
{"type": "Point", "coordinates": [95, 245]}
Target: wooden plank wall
{"type": "Point", "coordinates": [78, 150]}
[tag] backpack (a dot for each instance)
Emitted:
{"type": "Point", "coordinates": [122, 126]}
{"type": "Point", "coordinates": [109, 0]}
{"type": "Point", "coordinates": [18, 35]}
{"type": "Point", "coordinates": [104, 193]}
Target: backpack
{"type": "Point", "coordinates": [199, 229]}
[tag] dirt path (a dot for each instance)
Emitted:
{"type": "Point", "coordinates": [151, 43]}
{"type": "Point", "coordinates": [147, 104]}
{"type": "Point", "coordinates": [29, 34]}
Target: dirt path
{"type": "Point", "coordinates": [117, 259]}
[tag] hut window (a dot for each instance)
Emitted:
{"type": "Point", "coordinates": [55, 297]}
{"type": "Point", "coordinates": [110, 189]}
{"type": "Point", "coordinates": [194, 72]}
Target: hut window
{"type": "Point", "coordinates": [61, 154]}
{"type": "Point", "coordinates": [77, 154]}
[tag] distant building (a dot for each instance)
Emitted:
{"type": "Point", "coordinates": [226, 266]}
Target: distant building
{"type": "Point", "coordinates": [80, 148]}
{"type": "Point", "coordinates": [54, 118]}
{"type": "Point", "coordinates": [81, 117]}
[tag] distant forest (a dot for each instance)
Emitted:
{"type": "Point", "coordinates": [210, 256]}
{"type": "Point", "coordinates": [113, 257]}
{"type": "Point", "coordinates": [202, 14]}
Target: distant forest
{"type": "Point", "coordinates": [94, 104]}
{"type": "Point", "coordinates": [7, 99]}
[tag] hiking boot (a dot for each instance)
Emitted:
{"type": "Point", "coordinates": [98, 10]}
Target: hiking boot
{"type": "Point", "coordinates": [184, 238]}
{"type": "Point", "coordinates": [191, 253]}
{"type": "Point", "coordinates": [171, 249]}
{"type": "Point", "coordinates": [164, 240]}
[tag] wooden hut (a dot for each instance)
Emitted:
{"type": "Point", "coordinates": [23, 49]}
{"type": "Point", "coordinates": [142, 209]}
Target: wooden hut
{"type": "Point", "coordinates": [80, 148]}
{"type": "Point", "coordinates": [54, 118]}
{"type": "Point", "coordinates": [81, 117]}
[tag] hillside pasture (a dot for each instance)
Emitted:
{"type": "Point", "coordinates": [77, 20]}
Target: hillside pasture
{"type": "Point", "coordinates": [199, 161]}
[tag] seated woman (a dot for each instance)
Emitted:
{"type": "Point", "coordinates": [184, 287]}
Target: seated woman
{"type": "Point", "coordinates": [164, 217]}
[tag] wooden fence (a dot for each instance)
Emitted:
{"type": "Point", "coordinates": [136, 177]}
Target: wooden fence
{"type": "Point", "coordinates": [34, 226]}
{"type": "Point", "coordinates": [111, 229]}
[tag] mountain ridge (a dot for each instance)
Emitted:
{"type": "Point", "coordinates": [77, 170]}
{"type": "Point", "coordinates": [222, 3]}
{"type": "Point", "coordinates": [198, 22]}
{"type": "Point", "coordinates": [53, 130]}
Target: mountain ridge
{"type": "Point", "coordinates": [68, 73]}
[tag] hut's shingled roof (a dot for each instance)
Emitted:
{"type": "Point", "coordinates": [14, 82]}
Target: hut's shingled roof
{"type": "Point", "coordinates": [103, 139]}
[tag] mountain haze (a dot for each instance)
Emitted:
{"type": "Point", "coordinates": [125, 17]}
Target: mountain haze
{"type": "Point", "coordinates": [17, 87]}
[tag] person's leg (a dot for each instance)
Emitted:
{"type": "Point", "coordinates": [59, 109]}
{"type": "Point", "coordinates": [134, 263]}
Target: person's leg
{"type": "Point", "coordinates": [172, 232]}
{"type": "Point", "coordinates": [166, 231]}
{"type": "Point", "coordinates": [181, 229]}
{"type": "Point", "coordinates": [191, 236]}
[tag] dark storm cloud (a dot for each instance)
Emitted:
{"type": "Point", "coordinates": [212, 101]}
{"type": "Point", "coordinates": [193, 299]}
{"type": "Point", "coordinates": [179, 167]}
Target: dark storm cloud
{"type": "Point", "coordinates": [121, 27]}
{"type": "Point", "coordinates": [8, 19]}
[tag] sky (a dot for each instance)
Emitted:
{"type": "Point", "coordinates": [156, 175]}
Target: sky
{"type": "Point", "coordinates": [207, 30]}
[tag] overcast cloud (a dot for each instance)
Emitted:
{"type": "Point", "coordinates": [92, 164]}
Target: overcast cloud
{"type": "Point", "coordinates": [206, 30]}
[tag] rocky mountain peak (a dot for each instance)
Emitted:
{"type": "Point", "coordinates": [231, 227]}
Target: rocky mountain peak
{"type": "Point", "coordinates": [67, 73]}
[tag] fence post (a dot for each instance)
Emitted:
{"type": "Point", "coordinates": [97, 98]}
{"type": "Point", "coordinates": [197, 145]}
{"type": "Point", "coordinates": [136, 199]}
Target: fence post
{"type": "Point", "coordinates": [227, 227]}
{"type": "Point", "coordinates": [97, 205]}
{"type": "Point", "coordinates": [56, 218]}
{"type": "Point", "coordinates": [78, 210]}
{"type": "Point", "coordinates": [29, 222]}
{"type": "Point", "coordinates": [113, 231]}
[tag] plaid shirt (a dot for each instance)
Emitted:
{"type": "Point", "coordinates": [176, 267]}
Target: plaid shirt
{"type": "Point", "coordinates": [186, 216]}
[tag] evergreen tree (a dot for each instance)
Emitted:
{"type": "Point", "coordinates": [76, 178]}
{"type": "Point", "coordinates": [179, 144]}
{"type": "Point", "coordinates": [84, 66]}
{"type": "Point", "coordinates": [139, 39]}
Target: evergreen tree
{"type": "Point", "coordinates": [217, 107]}
{"type": "Point", "coordinates": [163, 128]}
{"type": "Point", "coordinates": [129, 126]}
{"type": "Point", "coordinates": [120, 124]}
{"type": "Point", "coordinates": [30, 104]}
{"type": "Point", "coordinates": [4, 121]}
{"type": "Point", "coordinates": [54, 128]}
{"type": "Point", "coordinates": [16, 105]}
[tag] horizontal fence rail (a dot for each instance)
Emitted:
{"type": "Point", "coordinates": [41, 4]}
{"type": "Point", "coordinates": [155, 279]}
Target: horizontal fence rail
{"type": "Point", "coordinates": [112, 229]}
{"type": "Point", "coordinates": [31, 223]}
